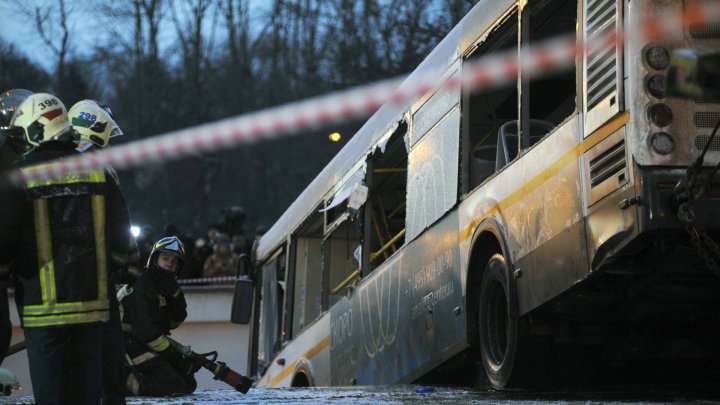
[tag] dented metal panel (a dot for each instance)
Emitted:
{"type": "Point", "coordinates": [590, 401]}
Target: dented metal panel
{"type": "Point", "coordinates": [538, 203]}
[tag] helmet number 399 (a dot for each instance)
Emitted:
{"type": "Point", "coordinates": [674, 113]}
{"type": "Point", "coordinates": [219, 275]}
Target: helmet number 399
{"type": "Point", "coordinates": [47, 103]}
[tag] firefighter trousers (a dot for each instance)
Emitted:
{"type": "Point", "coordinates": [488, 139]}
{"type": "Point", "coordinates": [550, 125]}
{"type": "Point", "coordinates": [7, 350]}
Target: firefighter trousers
{"type": "Point", "coordinates": [65, 363]}
{"type": "Point", "coordinates": [113, 362]}
{"type": "Point", "coordinates": [151, 375]}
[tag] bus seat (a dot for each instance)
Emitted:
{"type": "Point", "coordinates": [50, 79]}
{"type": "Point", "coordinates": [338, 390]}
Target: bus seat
{"type": "Point", "coordinates": [507, 141]}
{"type": "Point", "coordinates": [482, 163]}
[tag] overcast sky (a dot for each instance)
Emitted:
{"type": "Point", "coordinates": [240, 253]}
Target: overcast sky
{"type": "Point", "coordinates": [87, 29]}
{"type": "Point", "coordinates": [18, 29]}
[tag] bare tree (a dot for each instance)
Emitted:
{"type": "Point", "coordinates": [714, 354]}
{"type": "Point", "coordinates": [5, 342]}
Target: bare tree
{"type": "Point", "coordinates": [237, 24]}
{"type": "Point", "coordinates": [51, 23]}
{"type": "Point", "coordinates": [195, 44]}
{"type": "Point", "coordinates": [242, 45]}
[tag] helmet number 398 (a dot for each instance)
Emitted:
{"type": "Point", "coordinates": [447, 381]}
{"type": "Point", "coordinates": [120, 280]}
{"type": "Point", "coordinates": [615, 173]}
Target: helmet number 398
{"type": "Point", "coordinates": [47, 103]}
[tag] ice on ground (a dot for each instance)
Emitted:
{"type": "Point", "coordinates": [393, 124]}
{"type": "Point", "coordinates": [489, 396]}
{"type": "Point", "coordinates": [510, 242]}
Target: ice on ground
{"type": "Point", "coordinates": [407, 394]}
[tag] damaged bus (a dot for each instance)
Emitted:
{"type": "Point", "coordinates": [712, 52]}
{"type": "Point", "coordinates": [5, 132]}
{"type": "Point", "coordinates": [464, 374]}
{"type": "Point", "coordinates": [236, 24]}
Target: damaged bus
{"type": "Point", "coordinates": [484, 230]}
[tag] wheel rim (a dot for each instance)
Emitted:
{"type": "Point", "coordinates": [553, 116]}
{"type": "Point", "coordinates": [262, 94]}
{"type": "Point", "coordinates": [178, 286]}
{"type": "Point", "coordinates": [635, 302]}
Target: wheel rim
{"type": "Point", "coordinates": [496, 318]}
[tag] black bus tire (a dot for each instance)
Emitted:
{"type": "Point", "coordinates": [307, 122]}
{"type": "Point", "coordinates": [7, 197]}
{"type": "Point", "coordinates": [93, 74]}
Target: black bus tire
{"type": "Point", "coordinates": [501, 337]}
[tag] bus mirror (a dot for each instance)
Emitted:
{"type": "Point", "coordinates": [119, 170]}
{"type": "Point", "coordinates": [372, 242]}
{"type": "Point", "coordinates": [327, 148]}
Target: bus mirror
{"type": "Point", "coordinates": [242, 265]}
{"type": "Point", "coordinates": [243, 292]}
{"type": "Point", "coordinates": [694, 73]}
{"type": "Point", "coordinates": [242, 301]}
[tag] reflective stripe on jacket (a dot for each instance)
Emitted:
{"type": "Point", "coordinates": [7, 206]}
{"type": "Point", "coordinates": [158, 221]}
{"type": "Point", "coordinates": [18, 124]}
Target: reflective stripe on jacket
{"type": "Point", "coordinates": [45, 195]}
{"type": "Point", "coordinates": [60, 245]}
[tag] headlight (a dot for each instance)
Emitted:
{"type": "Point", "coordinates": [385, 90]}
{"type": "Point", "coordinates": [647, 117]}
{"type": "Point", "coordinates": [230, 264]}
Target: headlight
{"type": "Point", "coordinates": [657, 57]}
{"type": "Point", "coordinates": [662, 143]}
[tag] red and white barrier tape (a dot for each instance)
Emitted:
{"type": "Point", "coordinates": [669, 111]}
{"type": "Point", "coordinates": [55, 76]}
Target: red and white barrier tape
{"type": "Point", "coordinates": [267, 124]}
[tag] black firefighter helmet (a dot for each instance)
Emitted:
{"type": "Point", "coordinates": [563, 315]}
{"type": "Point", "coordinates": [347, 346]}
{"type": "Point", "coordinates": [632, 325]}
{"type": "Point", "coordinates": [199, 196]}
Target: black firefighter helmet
{"type": "Point", "coordinates": [171, 245]}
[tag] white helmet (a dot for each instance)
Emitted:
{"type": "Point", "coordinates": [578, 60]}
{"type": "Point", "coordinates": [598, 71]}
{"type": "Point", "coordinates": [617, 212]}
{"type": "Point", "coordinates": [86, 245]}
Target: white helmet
{"type": "Point", "coordinates": [42, 117]}
{"type": "Point", "coordinates": [94, 124]}
{"type": "Point", "coordinates": [8, 382]}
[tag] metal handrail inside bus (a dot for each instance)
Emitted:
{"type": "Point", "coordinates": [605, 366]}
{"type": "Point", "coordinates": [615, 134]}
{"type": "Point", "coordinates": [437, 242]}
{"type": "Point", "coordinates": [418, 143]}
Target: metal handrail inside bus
{"type": "Point", "coordinates": [389, 170]}
{"type": "Point", "coordinates": [355, 275]}
{"type": "Point", "coordinates": [387, 246]}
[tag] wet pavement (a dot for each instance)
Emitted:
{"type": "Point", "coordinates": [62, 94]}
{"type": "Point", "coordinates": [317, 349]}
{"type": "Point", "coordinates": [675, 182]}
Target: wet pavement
{"type": "Point", "coordinates": [412, 394]}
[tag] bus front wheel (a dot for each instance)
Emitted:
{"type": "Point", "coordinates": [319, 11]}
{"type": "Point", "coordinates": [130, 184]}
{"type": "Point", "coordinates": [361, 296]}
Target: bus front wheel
{"type": "Point", "coordinates": [501, 337]}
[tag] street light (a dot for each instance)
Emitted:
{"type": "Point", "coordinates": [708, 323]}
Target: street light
{"type": "Point", "coordinates": [335, 137]}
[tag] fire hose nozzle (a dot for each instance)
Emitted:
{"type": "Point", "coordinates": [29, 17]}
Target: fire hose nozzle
{"type": "Point", "coordinates": [229, 376]}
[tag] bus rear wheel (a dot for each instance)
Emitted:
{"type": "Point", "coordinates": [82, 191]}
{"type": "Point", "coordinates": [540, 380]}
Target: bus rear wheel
{"type": "Point", "coordinates": [501, 337]}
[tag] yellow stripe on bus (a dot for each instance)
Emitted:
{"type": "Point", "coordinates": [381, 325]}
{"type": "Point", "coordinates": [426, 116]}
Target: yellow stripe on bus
{"type": "Point", "coordinates": [323, 344]}
{"type": "Point", "coordinates": [552, 170]}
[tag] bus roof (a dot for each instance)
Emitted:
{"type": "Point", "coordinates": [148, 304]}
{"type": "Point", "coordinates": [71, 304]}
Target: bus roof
{"type": "Point", "coordinates": [466, 33]}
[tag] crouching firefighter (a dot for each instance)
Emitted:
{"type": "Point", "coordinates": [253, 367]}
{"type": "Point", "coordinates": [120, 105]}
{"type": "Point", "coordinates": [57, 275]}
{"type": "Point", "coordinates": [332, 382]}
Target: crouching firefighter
{"type": "Point", "coordinates": [150, 307]}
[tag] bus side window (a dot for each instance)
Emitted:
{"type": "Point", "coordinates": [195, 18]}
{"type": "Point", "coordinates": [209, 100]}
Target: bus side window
{"type": "Point", "coordinates": [549, 100]}
{"type": "Point", "coordinates": [306, 276]}
{"type": "Point", "coordinates": [384, 211]}
{"type": "Point", "coordinates": [342, 269]}
{"type": "Point", "coordinates": [485, 112]}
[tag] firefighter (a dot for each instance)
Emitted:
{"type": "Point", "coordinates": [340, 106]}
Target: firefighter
{"type": "Point", "coordinates": [150, 308]}
{"type": "Point", "coordinates": [94, 122]}
{"type": "Point", "coordinates": [12, 146]}
{"type": "Point", "coordinates": [12, 143]}
{"type": "Point", "coordinates": [60, 235]}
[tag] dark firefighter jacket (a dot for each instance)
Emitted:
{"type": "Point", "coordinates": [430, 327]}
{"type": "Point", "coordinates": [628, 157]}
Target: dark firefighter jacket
{"type": "Point", "coordinates": [10, 152]}
{"type": "Point", "coordinates": [147, 314]}
{"type": "Point", "coordinates": [61, 237]}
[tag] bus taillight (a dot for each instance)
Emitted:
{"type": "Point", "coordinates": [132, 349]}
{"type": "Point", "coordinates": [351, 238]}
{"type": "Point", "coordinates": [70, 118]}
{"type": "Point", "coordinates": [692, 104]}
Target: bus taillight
{"type": "Point", "coordinates": [660, 114]}
{"type": "Point", "coordinates": [662, 143]}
